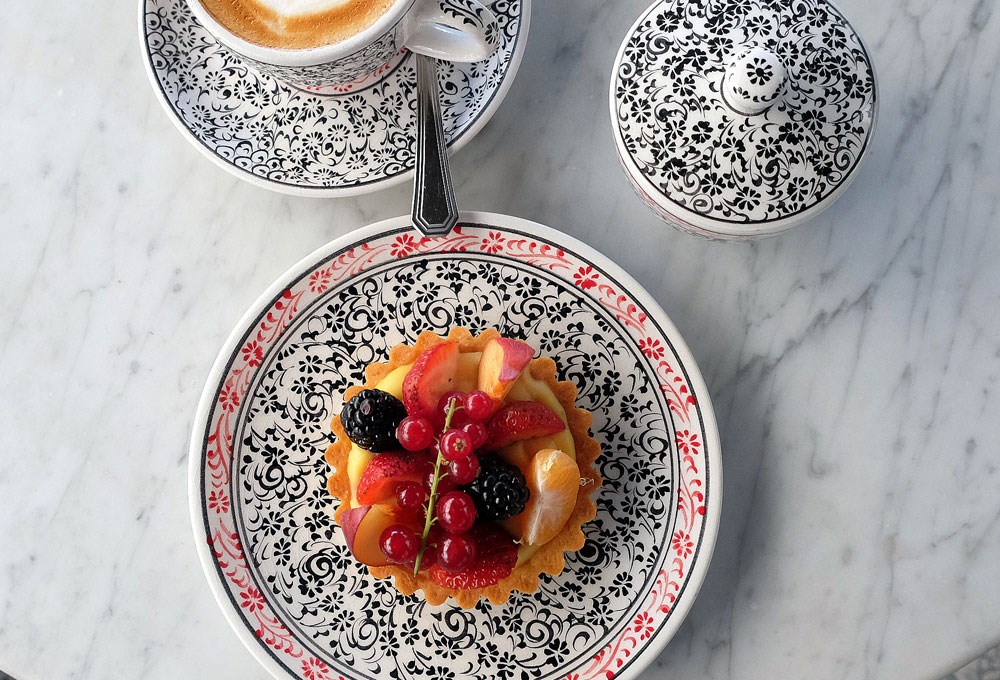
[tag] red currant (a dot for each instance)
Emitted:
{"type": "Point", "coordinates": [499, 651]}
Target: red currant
{"type": "Point", "coordinates": [411, 497]}
{"type": "Point", "coordinates": [478, 405]}
{"type": "Point", "coordinates": [456, 512]}
{"type": "Point", "coordinates": [456, 553]}
{"type": "Point", "coordinates": [400, 544]}
{"type": "Point", "coordinates": [464, 470]}
{"type": "Point", "coordinates": [415, 433]}
{"type": "Point", "coordinates": [455, 445]}
{"type": "Point", "coordinates": [444, 405]}
{"type": "Point", "coordinates": [433, 548]}
{"type": "Point", "coordinates": [430, 557]}
{"type": "Point", "coordinates": [445, 484]}
{"type": "Point", "coordinates": [477, 434]}
{"type": "Point", "coordinates": [460, 418]}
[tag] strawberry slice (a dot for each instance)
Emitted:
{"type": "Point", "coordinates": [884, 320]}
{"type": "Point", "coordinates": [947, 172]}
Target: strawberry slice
{"type": "Point", "coordinates": [496, 556]}
{"type": "Point", "coordinates": [432, 374]}
{"type": "Point", "coordinates": [521, 420]}
{"type": "Point", "coordinates": [387, 470]}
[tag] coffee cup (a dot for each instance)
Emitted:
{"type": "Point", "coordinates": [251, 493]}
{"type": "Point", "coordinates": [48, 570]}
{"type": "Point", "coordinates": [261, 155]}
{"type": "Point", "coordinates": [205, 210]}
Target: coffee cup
{"type": "Point", "coordinates": [314, 44]}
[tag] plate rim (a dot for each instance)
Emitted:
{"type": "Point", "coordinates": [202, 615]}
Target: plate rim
{"type": "Point", "coordinates": [465, 136]}
{"type": "Point", "coordinates": [712, 448]}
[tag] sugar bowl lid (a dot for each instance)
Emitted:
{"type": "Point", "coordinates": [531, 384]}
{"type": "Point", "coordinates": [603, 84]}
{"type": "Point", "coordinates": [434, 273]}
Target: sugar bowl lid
{"type": "Point", "coordinates": [742, 118]}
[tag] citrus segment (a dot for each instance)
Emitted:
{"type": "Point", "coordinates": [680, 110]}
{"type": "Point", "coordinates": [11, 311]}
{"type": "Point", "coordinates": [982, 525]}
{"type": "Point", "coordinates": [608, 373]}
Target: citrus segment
{"type": "Point", "coordinates": [554, 480]}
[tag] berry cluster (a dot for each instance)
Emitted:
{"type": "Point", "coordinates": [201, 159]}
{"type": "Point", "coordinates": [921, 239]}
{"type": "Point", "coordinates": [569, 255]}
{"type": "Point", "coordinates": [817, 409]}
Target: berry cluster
{"type": "Point", "coordinates": [453, 433]}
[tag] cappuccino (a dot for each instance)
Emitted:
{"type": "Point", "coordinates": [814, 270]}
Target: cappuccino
{"type": "Point", "coordinates": [296, 24]}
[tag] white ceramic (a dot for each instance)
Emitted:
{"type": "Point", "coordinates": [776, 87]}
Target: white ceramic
{"type": "Point", "coordinates": [742, 118]}
{"type": "Point", "coordinates": [346, 140]}
{"type": "Point", "coordinates": [456, 30]}
{"type": "Point", "coordinates": [276, 561]}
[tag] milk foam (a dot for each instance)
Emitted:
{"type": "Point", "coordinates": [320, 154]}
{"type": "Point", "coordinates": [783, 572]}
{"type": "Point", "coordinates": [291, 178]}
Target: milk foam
{"type": "Point", "coordinates": [297, 24]}
{"type": "Point", "coordinates": [295, 8]}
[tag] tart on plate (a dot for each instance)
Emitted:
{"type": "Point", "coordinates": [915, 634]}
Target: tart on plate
{"type": "Point", "coordinates": [463, 467]}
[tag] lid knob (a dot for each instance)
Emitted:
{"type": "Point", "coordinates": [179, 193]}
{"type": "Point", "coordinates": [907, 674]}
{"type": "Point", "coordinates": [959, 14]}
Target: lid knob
{"type": "Point", "coordinates": [753, 81]}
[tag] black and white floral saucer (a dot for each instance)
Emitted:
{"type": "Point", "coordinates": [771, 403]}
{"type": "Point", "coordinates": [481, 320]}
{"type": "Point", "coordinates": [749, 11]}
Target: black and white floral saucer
{"type": "Point", "coordinates": [344, 141]}
{"type": "Point", "coordinates": [278, 563]}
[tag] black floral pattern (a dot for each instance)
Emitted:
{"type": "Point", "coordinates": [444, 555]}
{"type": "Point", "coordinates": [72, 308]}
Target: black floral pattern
{"type": "Point", "coordinates": [472, 15]}
{"type": "Point", "coordinates": [363, 627]}
{"type": "Point", "coordinates": [344, 70]}
{"type": "Point", "coordinates": [701, 155]}
{"type": "Point", "coordinates": [247, 115]}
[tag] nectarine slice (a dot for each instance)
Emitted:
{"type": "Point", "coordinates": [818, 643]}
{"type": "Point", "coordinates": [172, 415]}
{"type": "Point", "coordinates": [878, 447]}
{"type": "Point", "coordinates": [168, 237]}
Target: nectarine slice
{"type": "Point", "coordinates": [363, 529]}
{"type": "Point", "coordinates": [503, 362]}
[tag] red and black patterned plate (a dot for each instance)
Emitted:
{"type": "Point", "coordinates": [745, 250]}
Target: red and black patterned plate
{"type": "Point", "coordinates": [278, 564]}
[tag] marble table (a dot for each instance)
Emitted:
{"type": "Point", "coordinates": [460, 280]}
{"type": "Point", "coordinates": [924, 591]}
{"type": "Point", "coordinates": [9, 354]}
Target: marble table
{"type": "Point", "coordinates": [853, 364]}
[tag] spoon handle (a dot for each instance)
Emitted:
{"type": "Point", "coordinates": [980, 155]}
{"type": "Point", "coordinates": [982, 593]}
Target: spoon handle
{"type": "Point", "coordinates": [435, 210]}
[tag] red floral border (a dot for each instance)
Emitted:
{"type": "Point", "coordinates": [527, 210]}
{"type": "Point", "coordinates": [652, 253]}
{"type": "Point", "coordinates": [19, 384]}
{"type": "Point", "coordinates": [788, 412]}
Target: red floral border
{"type": "Point", "coordinates": [218, 512]}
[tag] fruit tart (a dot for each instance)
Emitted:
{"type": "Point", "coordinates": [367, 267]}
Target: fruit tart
{"type": "Point", "coordinates": [463, 468]}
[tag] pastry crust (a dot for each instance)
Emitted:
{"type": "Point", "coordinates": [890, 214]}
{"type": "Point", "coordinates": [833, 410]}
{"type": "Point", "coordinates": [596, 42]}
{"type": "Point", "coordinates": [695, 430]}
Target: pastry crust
{"type": "Point", "coordinates": [549, 558]}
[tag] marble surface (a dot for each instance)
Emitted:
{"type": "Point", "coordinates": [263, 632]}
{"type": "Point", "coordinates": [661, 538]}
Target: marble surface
{"type": "Point", "coordinates": [985, 667]}
{"type": "Point", "coordinates": [854, 363]}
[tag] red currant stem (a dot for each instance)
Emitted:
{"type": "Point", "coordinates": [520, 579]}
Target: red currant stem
{"type": "Point", "coordinates": [432, 499]}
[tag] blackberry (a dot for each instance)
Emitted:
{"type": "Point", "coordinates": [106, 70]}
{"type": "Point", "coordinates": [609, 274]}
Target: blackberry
{"type": "Point", "coordinates": [370, 420]}
{"type": "Point", "coordinates": [499, 491]}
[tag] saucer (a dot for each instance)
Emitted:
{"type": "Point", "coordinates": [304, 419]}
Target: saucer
{"type": "Point", "coordinates": [277, 562]}
{"type": "Point", "coordinates": [348, 140]}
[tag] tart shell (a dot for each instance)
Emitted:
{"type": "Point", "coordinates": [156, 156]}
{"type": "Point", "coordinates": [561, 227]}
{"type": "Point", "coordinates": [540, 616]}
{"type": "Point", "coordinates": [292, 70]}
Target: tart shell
{"type": "Point", "coordinates": [549, 558]}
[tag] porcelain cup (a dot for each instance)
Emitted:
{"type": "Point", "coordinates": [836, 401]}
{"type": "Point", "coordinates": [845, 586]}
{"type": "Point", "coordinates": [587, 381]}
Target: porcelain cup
{"type": "Point", "coordinates": [453, 30]}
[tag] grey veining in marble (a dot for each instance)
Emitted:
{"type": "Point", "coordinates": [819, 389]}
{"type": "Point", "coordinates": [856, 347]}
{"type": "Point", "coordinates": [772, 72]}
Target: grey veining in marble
{"type": "Point", "coordinates": [985, 667]}
{"type": "Point", "coordinates": [854, 363]}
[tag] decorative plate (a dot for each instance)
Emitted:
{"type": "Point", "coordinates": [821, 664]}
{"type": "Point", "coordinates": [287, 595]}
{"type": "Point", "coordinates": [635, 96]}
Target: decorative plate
{"type": "Point", "coordinates": [277, 562]}
{"type": "Point", "coordinates": [742, 118]}
{"type": "Point", "coordinates": [355, 139]}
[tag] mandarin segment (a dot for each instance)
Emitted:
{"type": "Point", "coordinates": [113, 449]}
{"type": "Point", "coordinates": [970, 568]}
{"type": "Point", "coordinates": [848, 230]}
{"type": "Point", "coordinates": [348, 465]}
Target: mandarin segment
{"type": "Point", "coordinates": [554, 481]}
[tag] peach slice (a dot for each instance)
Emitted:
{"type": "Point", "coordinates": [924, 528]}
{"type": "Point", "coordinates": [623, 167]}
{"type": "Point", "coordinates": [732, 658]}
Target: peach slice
{"type": "Point", "coordinates": [502, 363]}
{"type": "Point", "coordinates": [363, 529]}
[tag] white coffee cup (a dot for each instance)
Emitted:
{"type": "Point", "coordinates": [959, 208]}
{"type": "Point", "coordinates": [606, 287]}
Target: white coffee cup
{"type": "Point", "coordinates": [453, 30]}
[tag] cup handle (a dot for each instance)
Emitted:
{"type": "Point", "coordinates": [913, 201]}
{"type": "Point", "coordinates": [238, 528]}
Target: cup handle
{"type": "Point", "coordinates": [453, 30]}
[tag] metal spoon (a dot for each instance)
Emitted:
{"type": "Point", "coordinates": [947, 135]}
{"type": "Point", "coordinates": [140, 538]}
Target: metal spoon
{"type": "Point", "coordinates": [435, 210]}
